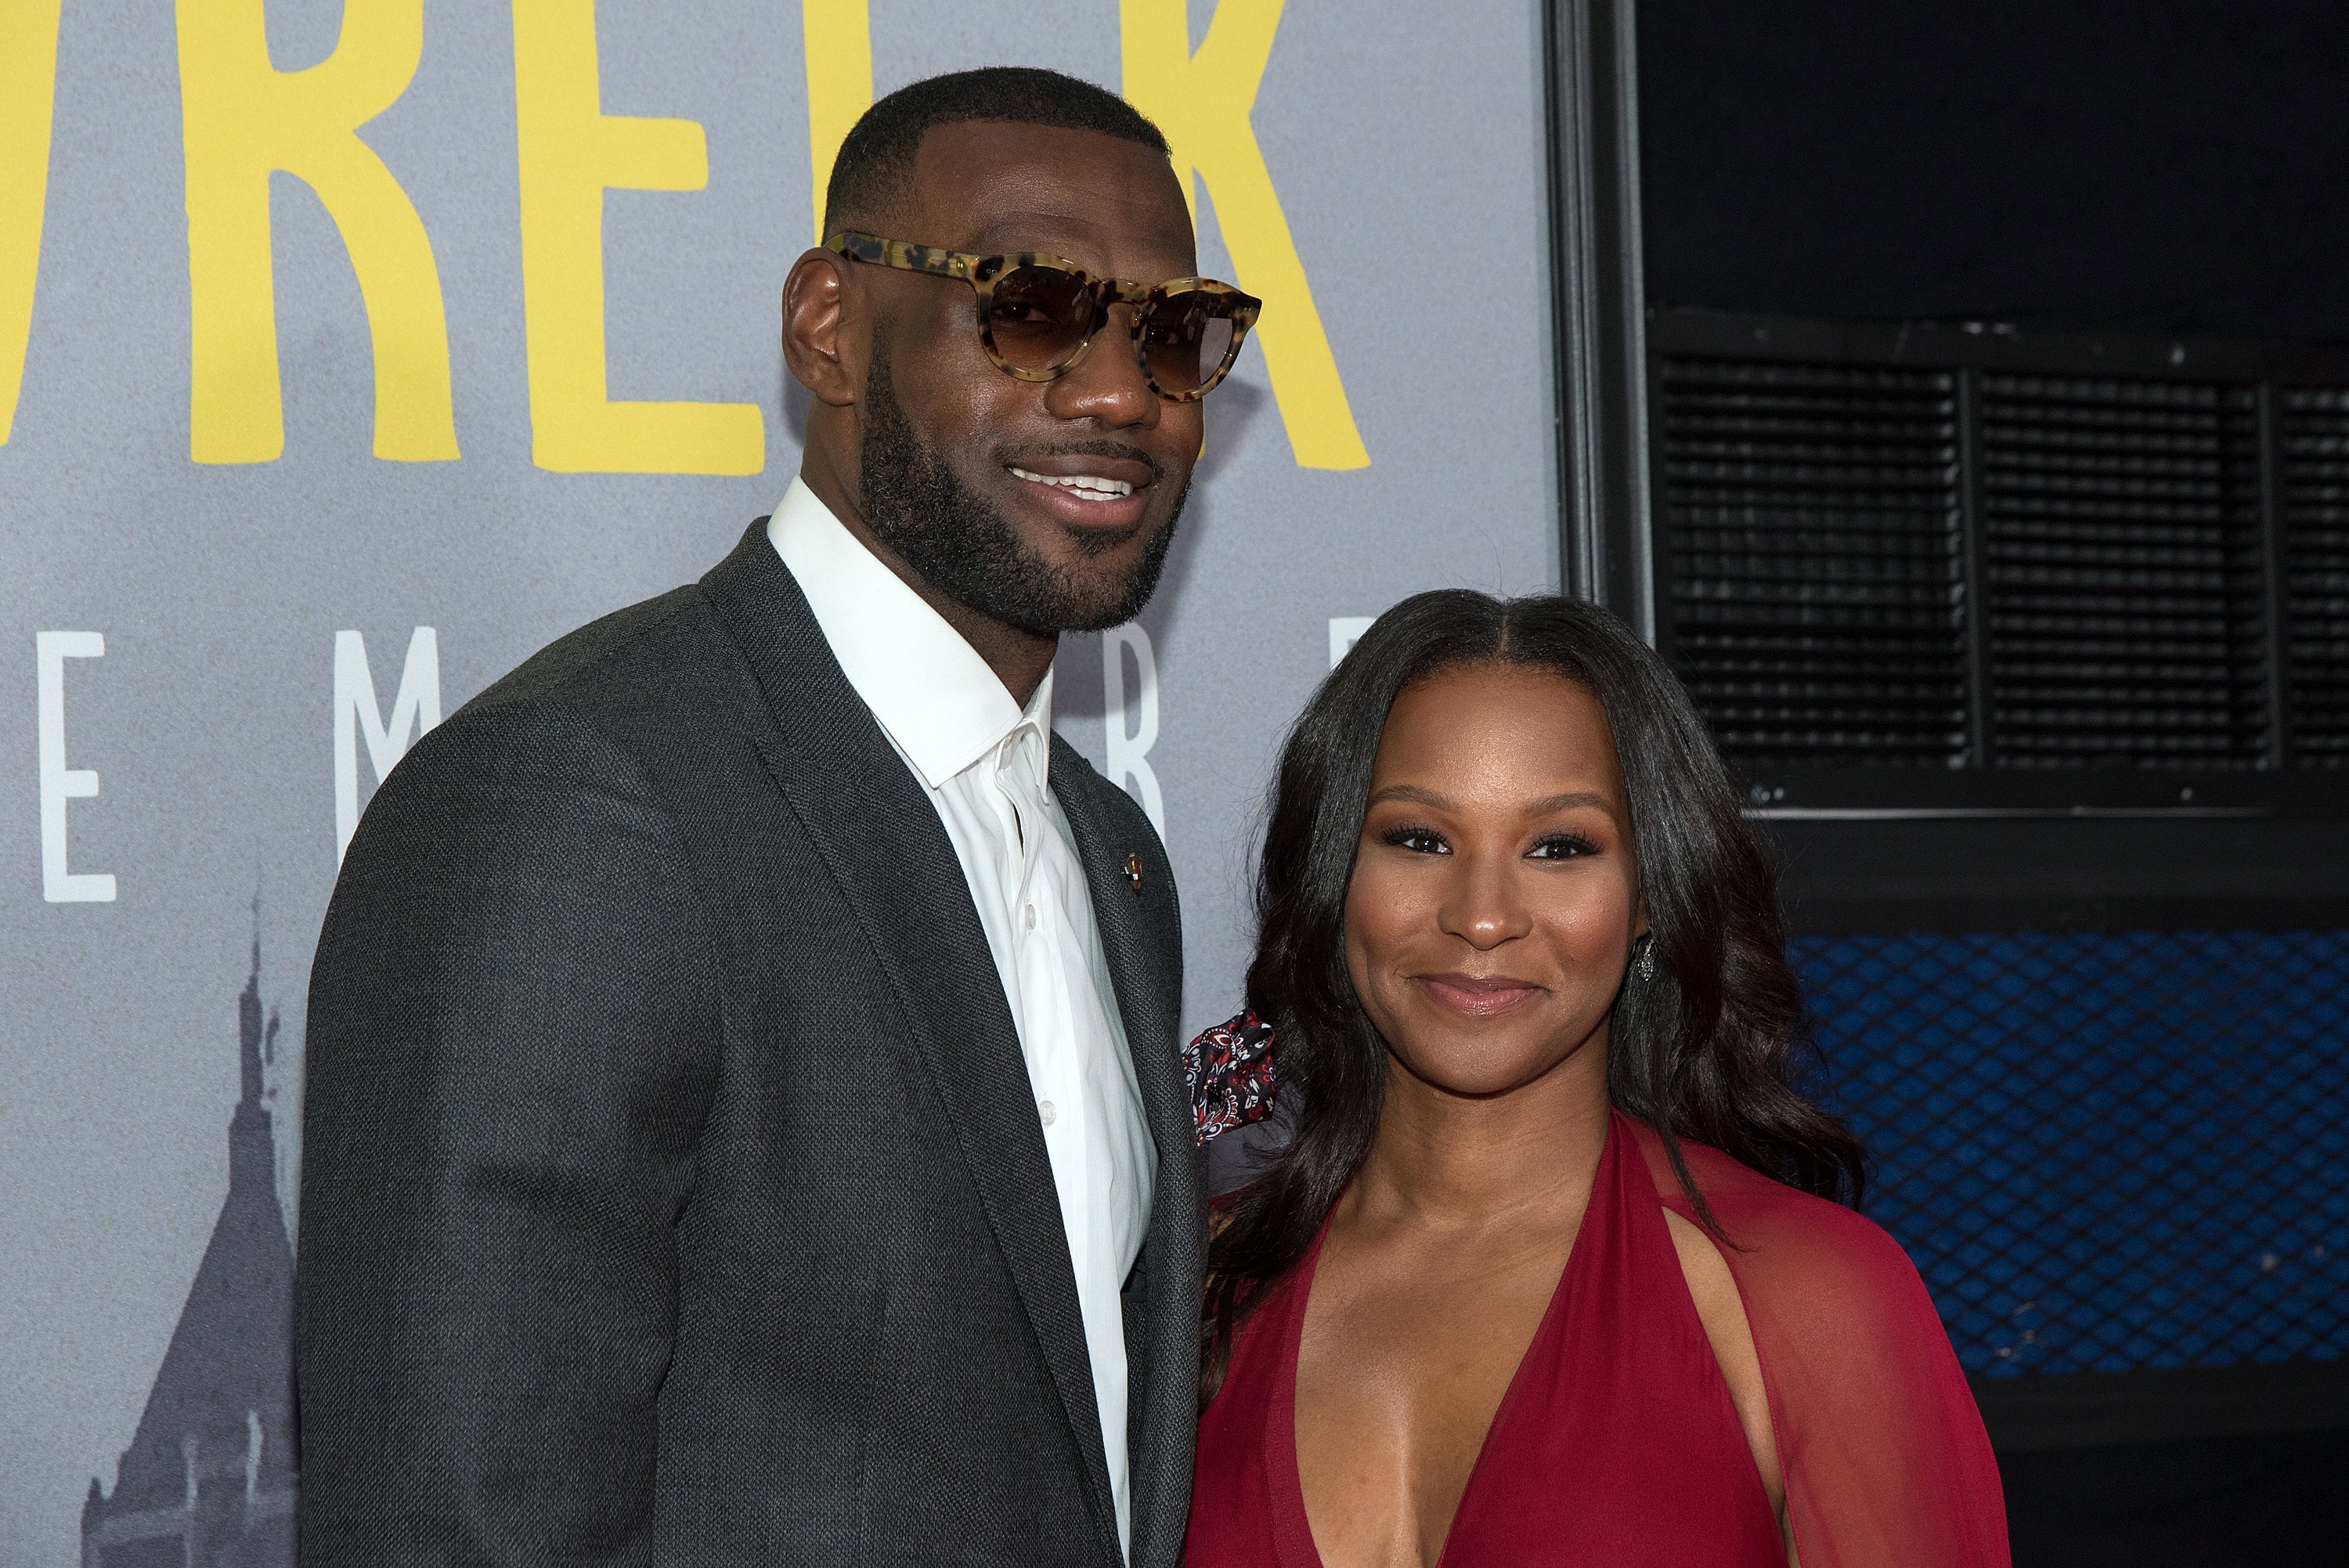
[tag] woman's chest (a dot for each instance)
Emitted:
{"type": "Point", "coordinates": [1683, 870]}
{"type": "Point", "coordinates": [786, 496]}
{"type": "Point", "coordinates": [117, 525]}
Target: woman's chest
{"type": "Point", "coordinates": [1404, 1361]}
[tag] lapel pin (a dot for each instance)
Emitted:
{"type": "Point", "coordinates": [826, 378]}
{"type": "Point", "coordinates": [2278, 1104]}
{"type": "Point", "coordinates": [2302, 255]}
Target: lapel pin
{"type": "Point", "coordinates": [1133, 871]}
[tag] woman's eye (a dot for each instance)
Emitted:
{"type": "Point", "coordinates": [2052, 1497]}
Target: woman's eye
{"type": "Point", "coordinates": [1563, 847]}
{"type": "Point", "coordinates": [1418, 841]}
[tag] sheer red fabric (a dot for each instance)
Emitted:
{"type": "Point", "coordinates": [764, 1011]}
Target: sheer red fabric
{"type": "Point", "coordinates": [1616, 1442]}
{"type": "Point", "coordinates": [1883, 1450]}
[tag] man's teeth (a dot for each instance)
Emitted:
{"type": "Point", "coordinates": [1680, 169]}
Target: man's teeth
{"type": "Point", "coordinates": [1093, 487]}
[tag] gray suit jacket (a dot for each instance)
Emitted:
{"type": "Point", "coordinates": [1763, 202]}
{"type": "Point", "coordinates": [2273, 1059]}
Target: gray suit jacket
{"type": "Point", "coordinates": [673, 1190]}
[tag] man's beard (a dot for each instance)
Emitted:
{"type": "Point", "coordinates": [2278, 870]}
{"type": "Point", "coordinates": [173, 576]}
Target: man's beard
{"type": "Point", "coordinates": [968, 549]}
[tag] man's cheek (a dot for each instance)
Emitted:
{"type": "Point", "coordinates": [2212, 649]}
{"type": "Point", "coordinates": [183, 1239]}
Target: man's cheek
{"type": "Point", "coordinates": [1182, 441]}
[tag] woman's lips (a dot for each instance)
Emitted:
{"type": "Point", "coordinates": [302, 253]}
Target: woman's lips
{"type": "Point", "coordinates": [1478, 996]}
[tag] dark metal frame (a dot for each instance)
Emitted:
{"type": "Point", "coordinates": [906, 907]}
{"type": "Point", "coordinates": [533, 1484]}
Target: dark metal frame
{"type": "Point", "coordinates": [2236, 856]}
{"type": "Point", "coordinates": [1591, 59]}
{"type": "Point", "coordinates": [2093, 1410]}
{"type": "Point", "coordinates": [2157, 864]}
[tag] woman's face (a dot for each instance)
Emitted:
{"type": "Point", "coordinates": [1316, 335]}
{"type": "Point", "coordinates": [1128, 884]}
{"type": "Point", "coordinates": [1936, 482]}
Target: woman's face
{"type": "Point", "coordinates": [1494, 896]}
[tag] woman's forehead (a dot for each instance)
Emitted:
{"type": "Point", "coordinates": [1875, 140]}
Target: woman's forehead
{"type": "Point", "coordinates": [1497, 731]}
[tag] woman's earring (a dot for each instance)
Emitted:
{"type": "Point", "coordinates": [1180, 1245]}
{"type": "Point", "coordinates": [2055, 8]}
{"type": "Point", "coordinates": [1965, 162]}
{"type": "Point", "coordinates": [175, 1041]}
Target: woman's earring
{"type": "Point", "coordinates": [1644, 965]}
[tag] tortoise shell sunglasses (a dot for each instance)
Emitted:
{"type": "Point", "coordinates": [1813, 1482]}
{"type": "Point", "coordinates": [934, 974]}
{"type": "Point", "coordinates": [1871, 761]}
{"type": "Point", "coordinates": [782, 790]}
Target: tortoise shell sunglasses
{"type": "Point", "coordinates": [1038, 314]}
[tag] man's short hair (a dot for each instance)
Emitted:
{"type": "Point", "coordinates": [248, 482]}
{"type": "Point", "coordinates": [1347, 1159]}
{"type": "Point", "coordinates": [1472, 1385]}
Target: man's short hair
{"type": "Point", "coordinates": [875, 165]}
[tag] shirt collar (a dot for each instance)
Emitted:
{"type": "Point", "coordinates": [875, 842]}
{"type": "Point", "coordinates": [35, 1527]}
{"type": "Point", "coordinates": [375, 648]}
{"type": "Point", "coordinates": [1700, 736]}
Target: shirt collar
{"type": "Point", "coordinates": [940, 702]}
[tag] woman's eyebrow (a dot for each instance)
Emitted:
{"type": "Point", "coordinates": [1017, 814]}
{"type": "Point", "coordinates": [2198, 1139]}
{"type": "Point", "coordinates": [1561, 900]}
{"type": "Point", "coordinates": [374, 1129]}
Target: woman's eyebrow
{"type": "Point", "coordinates": [1575, 798]}
{"type": "Point", "coordinates": [1415, 794]}
{"type": "Point", "coordinates": [1546, 804]}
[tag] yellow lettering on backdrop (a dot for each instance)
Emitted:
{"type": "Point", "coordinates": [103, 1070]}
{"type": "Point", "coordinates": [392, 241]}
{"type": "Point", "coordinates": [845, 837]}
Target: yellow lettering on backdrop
{"type": "Point", "coordinates": [243, 119]}
{"type": "Point", "coordinates": [572, 153]}
{"type": "Point", "coordinates": [28, 84]}
{"type": "Point", "coordinates": [1201, 102]}
{"type": "Point", "coordinates": [836, 38]}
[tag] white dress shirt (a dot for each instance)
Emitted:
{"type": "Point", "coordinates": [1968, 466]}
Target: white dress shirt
{"type": "Point", "coordinates": [983, 759]}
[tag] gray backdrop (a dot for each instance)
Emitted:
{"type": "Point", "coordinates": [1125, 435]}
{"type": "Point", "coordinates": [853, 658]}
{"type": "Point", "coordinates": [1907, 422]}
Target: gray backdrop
{"type": "Point", "coordinates": [1406, 152]}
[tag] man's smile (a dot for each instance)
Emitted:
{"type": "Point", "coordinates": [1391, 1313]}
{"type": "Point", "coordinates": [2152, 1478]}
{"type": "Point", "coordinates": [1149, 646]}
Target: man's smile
{"type": "Point", "coordinates": [1093, 487]}
{"type": "Point", "coordinates": [1087, 490]}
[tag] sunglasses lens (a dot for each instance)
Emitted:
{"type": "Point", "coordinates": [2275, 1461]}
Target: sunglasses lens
{"type": "Point", "coordinates": [1184, 339]}
{"type": "Point", "coordinates": [1039, 317]}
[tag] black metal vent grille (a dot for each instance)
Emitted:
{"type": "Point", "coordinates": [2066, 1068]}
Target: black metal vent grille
{"type": "Point", "coordinates": [2123, 589]}
{"type": "Point", "coordinates": [2314, 471]}
{"type": "Point", "coordinates": [1920, 567]}
{"type": "Point", "coordinates": [1814, 549]}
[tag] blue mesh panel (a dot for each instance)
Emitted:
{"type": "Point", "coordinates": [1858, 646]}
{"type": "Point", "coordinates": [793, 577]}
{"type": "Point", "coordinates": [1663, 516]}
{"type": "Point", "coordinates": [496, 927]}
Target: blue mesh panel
{"type": "Point", "coordinates": [2104, 1152]}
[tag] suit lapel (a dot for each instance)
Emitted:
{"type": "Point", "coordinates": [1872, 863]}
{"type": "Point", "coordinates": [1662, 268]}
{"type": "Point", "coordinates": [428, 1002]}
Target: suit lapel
{"type": "Point", "coordinates": [1141, 932]}
{"type": "Point", "coordinates": [874, 825]}
{"type": "Point", "coordinates": [1147, 974]}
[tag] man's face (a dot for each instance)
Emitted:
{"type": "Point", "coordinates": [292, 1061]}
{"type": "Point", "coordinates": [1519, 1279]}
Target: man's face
{"type": "Point", "coordinates": [978, 480]}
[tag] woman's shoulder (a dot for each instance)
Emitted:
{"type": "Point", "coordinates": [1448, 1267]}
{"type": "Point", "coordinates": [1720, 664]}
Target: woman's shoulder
{"type": "Point", "coordinates": [1837, 1257]}
{"type": "Point", "coordinates": [1883, 1449]}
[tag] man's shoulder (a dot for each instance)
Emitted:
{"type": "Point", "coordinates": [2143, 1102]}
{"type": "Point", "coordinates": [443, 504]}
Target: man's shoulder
{"type": "Point", "coordinates": [657, 637]}
{"type": "Point", "coordinates": [597, 707]}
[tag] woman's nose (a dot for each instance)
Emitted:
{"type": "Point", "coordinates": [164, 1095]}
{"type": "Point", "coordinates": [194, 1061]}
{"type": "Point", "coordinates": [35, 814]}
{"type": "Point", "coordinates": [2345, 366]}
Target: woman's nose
{"type": "Point", "coordinates": [1483, 906]}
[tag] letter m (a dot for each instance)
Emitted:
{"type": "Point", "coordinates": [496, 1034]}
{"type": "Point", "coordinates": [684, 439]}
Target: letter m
{"type": "Point", "coordinates": [416, 707]}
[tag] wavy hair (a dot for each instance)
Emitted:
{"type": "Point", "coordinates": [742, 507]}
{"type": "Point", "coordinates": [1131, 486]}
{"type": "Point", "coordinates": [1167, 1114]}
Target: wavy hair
{"type": "Point", "coordinates": [1708, 1049]}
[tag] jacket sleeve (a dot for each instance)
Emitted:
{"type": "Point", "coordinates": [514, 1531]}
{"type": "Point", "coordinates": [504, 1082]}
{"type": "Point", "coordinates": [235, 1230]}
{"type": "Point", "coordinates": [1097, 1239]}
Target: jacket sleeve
{"type": "Point", "coordinates": [513, 1025]}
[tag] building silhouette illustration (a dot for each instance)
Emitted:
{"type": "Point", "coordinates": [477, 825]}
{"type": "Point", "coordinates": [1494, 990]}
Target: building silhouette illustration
{"type": "Point", "coordinates": [208, 1480]}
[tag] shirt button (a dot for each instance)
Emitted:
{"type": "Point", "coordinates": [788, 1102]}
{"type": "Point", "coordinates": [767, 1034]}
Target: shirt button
{"type": "Point", "coordinates": [1031, 917]}
{"type": "Point", "coordinates": [1051, 1115]}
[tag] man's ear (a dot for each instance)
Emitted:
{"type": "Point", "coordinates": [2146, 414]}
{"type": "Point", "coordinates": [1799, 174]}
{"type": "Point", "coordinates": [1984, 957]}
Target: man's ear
{"type": "Point", "coordinates": [825, 346]}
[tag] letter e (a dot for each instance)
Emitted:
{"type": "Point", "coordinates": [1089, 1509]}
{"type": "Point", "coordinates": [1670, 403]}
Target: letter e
{"type": "Point", "coordinates": [60, 783]}
{"type": "Point", "coordinates": [570, 153]}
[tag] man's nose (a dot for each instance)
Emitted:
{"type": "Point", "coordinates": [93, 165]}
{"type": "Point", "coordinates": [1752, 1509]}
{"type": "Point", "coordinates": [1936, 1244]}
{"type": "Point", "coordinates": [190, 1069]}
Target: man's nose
{"type": "Point", "coordinates": [1106, 385]}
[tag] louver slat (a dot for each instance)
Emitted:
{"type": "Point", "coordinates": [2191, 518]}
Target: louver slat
{"type": "Point", "coordinates": [2120, 527]}
{"type": "Point", "coordinates": [1812, 530]}
{"type": "Point", "coordinates": [2314, 469]}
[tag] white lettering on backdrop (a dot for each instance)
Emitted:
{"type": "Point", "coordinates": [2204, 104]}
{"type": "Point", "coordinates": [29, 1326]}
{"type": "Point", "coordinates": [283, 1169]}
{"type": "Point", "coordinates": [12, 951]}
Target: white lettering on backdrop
{"type": "Point", "coordinates": [1345, 631]}
{"type": "Point", "coordinates": [1129, 749]}
{"type": "Point", "coordinates": [416, 706]}
{"type": "Point", "coordinates": [60, 783]}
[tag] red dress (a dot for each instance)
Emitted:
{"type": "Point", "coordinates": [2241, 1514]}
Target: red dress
{"type": "Point", "coordinates": [1616, 1442]}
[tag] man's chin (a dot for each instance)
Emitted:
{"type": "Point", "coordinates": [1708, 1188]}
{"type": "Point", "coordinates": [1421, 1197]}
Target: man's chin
{"type": "Point", "coordinates": [1085, 602]}
{"type": "Point", "coordinates": [1099, 573]}
{"type": "Point", "coordinates": [1092, 594]}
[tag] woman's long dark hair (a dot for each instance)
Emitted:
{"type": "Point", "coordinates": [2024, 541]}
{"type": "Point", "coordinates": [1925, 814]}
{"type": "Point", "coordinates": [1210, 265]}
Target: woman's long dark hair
{"type": "Point", "coordinates": [1706, 1049]}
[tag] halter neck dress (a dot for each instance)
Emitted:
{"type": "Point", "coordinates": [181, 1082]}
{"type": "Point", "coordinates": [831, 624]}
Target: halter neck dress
{"type": "Point", "coordinates": [1616, 1441]}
